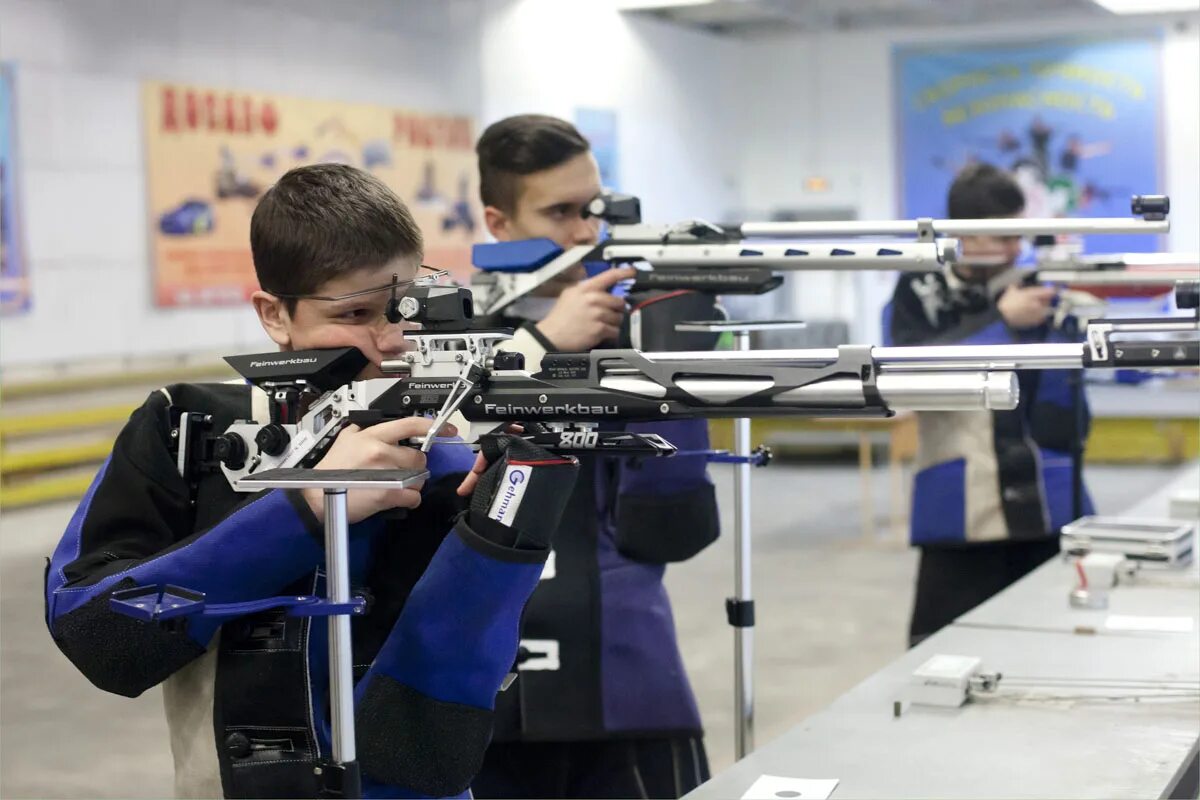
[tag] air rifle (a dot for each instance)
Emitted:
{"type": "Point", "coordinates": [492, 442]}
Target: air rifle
{"type": "Point", "coordinates": [1117, 274]}
{"type": "Point", "coordinates": [453, 368]}
{"type": "Point", "coordinates": [746, 258]}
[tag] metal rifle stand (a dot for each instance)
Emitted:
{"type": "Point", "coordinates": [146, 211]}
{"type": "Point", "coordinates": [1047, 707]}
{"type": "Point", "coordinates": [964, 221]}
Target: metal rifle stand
{"type": "Point", "coordinates": [740, 608]}
{"type": "Point", "coordinates": [340, 776]}
{"type": "Point", "coordinates": [1078, 425]}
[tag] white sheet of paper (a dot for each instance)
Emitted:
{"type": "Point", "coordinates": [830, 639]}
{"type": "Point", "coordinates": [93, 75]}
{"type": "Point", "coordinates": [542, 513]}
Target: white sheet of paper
{"type": "Point", "coordinates": [774, 787]}
{"type": "Point", "coordinates": [1128, 622]}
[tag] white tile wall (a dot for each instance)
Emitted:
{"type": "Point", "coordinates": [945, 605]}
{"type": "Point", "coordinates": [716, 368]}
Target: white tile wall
{"type": "Point", "coordinates": [33, 32]}
{"type": "Point", "coordinates": [80, 65]}
{"type": "Point", "coordinates": [83, 214]}
{"type": "Point", "coordinates": [707, 126]}
{"type": "Point", "coordinates": [670, 87]}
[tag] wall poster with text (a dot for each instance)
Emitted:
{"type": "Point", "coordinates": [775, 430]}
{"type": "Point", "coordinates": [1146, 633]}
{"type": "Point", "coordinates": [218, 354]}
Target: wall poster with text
{"type": "Point", "coordinates": [1076, 120]}
{"type": "Point", "coordinates": [14, 265]}
{"type": "Point", "coordinates": [211, 153]}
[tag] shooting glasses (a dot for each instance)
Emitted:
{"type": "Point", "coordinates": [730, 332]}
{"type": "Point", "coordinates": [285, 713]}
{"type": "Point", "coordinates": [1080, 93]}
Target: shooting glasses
{"type": "Point", "coordinates": [376, 303]}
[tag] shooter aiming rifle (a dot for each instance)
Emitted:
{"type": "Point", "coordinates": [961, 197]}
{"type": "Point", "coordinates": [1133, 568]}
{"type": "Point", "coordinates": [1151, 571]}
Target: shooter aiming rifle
{"type": "Point", "coordinates": [451, 368]}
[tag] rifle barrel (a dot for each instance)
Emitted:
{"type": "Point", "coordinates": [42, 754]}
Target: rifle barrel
{"type": "Point", "coordinates": [958, 228]}
{"type": "Point", "coordinates": [934, 358]}
{"type": "Point", "coordinates": [924, 358]}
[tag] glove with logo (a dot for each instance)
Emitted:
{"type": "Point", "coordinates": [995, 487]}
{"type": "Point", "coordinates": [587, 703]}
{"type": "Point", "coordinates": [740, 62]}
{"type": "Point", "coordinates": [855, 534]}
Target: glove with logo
{"type": "Point", "coordinates": [424, 709]}
{"type": "Point", "coordinates": [519, 499]}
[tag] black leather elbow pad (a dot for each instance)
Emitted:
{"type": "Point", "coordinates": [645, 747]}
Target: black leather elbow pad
{"type": "Point", "coordinates": [120, 654]}
{"type": "Point", "coordinates": [663, 530]}
{"type": "Point", "coordinates": [411, 740]}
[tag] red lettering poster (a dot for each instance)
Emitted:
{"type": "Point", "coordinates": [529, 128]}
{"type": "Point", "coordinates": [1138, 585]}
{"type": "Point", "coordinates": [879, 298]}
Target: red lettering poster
{"type": "Point", "coordinates": [211, 153]}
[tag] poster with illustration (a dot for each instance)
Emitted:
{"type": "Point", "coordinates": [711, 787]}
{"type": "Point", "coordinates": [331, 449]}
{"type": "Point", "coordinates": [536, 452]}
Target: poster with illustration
{"type": "Point", "coordinates": [14, 275]}
{"type": "Point", "coordinates": [211, 153]}
{"type": "Point", "coordinates": [1077, 121]}
{"type": "Point", "coordinates": [599, 127]}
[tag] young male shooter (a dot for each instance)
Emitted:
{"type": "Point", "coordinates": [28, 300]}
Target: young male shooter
{"type": "Point", "coordinates": [993, 488]}
{"type": "Point", "coordinates": [247, 701]}
{"type": "Point", "coordinates": [602, 707]}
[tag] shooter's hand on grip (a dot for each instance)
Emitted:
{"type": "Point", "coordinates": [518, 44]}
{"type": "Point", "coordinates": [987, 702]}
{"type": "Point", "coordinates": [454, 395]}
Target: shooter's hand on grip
{"type": "Point", "coordinates": [585, 314]}
{"type": "Point", "coordinates": [1026, 307]}
{"type": "Point", "coordinates": [375, 447]}
{"type": "Point", "coordinates": [518, 492]}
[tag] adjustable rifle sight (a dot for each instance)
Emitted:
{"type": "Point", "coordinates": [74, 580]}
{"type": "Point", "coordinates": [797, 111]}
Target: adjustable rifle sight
{"type": "Point", "coordinates": [446, 309]}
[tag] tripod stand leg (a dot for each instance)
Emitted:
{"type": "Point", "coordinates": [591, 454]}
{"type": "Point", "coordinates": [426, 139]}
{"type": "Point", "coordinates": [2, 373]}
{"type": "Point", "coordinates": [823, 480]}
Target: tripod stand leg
{"type": "Point", "coordinates": [740, 608]}
{"type": "Point", "coordinates": [341, 777]}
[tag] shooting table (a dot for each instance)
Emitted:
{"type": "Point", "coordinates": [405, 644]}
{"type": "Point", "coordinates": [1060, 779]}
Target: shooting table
{"type": "Point", "coordinates": [1008, 747]}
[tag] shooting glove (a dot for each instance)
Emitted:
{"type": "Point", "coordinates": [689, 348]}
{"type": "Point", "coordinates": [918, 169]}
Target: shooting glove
{"type": "Point", "coordinates": [519, 500]}
{"type": "Point", "coordinates": [424, 708]}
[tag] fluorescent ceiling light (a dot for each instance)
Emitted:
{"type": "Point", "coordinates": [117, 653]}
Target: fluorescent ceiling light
{"type": "Point", "coordinates": [655, 5]}
{"type": "Point", "coordinates": [1148, 6]}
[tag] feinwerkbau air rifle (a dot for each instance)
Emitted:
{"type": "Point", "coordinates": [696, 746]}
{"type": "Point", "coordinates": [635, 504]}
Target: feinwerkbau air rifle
{"type": "Point", "coordinates": [453, 368]}
{"type": "Point", "coordinates": [745, 259]}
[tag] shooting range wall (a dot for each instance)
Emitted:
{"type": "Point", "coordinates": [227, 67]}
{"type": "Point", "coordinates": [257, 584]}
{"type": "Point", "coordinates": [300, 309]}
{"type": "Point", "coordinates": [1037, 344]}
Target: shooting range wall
{"type": "Point", "coordinates": [830, 111]}
{"type": "Point", "coordinates": [80, 71]}
{"type": "Point", "coordinates": [671, 87]}
{"type": "Point", "coordinates": [707, 126]}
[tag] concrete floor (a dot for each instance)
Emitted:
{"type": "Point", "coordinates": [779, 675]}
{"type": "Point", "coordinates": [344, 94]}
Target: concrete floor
{"type": "Point", "coordinates": [832, 609]}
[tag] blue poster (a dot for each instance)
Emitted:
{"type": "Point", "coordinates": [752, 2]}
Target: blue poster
{"type": "Point", "coordinates": [599, 127]}
{"type": "Point", "coordinates": [14, 280]}
{"type": "Point", "coordinates": [1077, 121]}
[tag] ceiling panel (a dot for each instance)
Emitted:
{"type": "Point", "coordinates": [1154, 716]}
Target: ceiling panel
{"type": "Point", "coordinates": [758, 17]}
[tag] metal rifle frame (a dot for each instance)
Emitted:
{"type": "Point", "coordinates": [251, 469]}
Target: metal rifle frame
{"type": "Point", "coordinates": [736, 259]}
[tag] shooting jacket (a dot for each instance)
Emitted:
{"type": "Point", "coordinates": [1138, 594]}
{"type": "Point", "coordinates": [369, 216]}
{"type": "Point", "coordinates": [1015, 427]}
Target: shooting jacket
{"type": "Point", "coordinates": [985, 475]}
{"type": "Point", "coordinates": [247, 700]}
{"type": "Point", "coordinates": [599, 657]}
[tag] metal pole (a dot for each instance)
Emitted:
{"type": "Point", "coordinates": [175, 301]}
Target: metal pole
{"type": "Point", "coordinates": [934, 358]}
{"type": "Point", "coordinates": [956, 227]}
{"type": "Point", "coordinates": [741, 607]}
{"type": "Point", "coordinates": [1080, 426]}
{"type": "Point", "coordinates": [341, 662]}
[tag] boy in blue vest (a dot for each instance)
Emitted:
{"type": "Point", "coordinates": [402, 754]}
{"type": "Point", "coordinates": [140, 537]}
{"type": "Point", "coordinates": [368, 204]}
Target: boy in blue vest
{"type": "Point", "coordinates": [603, 707]}
{"type": "Point", "coordinates": [993, 488]}
{"type": "Point", "coordinates": [247, 700]}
